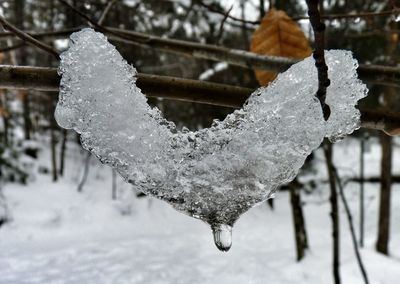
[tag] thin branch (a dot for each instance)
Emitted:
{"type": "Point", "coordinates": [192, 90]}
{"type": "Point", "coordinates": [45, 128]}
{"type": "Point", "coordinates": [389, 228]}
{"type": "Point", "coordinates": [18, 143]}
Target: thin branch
{"type": "Point", "coordinates": [13, 47]}
{"type": "Point", "coordinates": [373, 179]}
{"type": "Point", "coordinates": [95, 24]}
{"type": "Point", "coordinates": [44, 34]}
{"type": "Point", "coordinates": [330, 17]}
{"type": "Point", "coordinates": [221, 26]}
{"type": "Point", "coordinates": [212, 9]}
{"type": "Point", "coordinates": [319, 54]}
{"type": "Point", "coordinates": [27, 38]}
{"type": "Point", "coordinates": [353, 15]}
{"type": "Point", "coordinates": [106, 11]}
{"type": "Point", "coordinates": [47, 79]}
{"type": "Point", "coordinates": [351, 225]}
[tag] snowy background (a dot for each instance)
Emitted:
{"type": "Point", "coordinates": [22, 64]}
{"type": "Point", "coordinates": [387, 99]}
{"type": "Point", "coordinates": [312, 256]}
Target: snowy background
{"type": "Point", "coordinates": [57, 235]}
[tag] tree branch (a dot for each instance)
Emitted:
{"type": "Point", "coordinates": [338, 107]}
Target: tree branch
{"type": "Point", "coordinates": [13, 47]}
{"type": "Point", "coordinates": [27, 38]}
{"type": "Point", "coordinates": [212, 9]}
{"type": "Point", "coordinates": [319, 54]}
{"type": "Point", "coordinates": [298, 18]}
{"type": "Point", "coordinates": [376, 74]}
{"type": "Point", "coordinates": [352, 15]}
{"type": "Point", "coordinates": [105, 12]}
{"type": "Point", "coordinates": [351, 226]}
{"type": "Point", "coordinates": [47, 79]}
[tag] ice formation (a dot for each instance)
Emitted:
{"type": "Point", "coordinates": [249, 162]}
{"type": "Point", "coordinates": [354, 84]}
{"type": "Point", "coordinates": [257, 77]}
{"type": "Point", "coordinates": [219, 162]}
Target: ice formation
{"type": "Point", "coordinates": [214, 174]}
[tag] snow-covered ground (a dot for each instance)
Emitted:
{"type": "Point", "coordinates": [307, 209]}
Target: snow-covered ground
{"type": "Point", "coordinates": [57, 235]}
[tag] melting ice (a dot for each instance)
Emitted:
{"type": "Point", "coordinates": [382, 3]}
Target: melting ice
{"type": "Point", "coordinates": [214, 174]}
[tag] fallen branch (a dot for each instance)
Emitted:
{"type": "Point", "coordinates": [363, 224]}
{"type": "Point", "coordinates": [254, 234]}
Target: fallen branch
{"type": "Point", "coordinates": [47, 79]}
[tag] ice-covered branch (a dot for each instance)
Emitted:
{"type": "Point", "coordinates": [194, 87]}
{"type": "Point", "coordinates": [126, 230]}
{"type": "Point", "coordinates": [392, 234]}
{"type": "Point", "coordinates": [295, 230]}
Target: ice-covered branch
{"type": "Point", "coordinates": [46, 79]}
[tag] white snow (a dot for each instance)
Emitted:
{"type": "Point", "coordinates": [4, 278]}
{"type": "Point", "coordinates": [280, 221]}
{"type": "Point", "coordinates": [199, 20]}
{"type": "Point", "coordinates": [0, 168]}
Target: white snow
{"type": "Point", "coordinates": [214, 174]}
{"type": "Point", "coordinates": [60, 236]}
{"type": "Point", "coordinates": [212, 71]}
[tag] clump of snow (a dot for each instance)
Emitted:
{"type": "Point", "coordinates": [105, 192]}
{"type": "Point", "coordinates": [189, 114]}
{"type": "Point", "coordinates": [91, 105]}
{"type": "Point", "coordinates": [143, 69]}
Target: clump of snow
{"type": "Point", "coordinates": [214, 174]}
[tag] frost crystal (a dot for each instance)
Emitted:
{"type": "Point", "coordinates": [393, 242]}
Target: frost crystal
{"type": "Point", "coordinates": [214, 174]}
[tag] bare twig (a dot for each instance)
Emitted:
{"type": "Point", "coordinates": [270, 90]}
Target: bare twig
{"type": "Point", "coordinates": [47, 79]}
{"type": "Point", "coordinates": [351, 225]}
{"type": "Point", "coordinates": [13, 47]}
{"type": "Point", "coordinates": [373, 179]}
{"type": "Point", "coordinates": [352, 15]}
{"type": "Point", "coordinates": [319, 54]}
{"type": "Point", "coordinates": [27, 38]}
{"type": "Point", "coordinates": [330, 17]}
{"type": "Point", "coordinates": [115, 32]}
{"type": "Point", "coordinates": [221, 26]}
{"type": "Point", "coordinates": [212, 9]}
{"type": "Point", "coordinates": [106, 11]}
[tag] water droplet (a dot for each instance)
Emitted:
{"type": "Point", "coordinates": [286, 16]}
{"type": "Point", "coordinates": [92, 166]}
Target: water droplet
{"type": "Point", "coordinates": [222, 236]}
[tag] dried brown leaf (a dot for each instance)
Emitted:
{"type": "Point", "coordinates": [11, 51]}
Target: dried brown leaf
{"type": "Point", "coordinates": [278, 35]}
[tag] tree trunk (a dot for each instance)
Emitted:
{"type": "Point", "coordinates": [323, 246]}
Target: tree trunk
{"type": "Point", "coordinates": [62, 152]}
{"type": "Point", "coordinates": [298, 220]}
{"type": "Point", "coordinates": [362, 150]}
{"type": "Point", "coordinates": [262, 9]}
{"type": "Point", "coordinates": [270, 203]}
{"type": "Point", "coordinates": [382, 243]}
{"type": "Point", "coordinates": [328, 149]}
{"type": "Point", "coordinates": [85, 173]}
{"type": "Point", "coordinates": [245, 36]}
{"type": "Point", "coordinates": [4, 114]}
{"type": "Point", "coordinates": [53, 142]}
{"type": "Point", "coordinates": [384, 202]}
{"type": "Point", "coordinates": [114, 185]}
{"type": "Point", "coordinates": [19, 11]}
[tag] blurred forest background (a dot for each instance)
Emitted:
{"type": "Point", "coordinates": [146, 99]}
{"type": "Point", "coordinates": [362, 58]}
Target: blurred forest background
{"type": "Point", "coordinates": [370, 29]}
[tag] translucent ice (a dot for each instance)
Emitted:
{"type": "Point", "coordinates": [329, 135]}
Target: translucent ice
{"type": "Point", "coordinates": [214, 174]}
